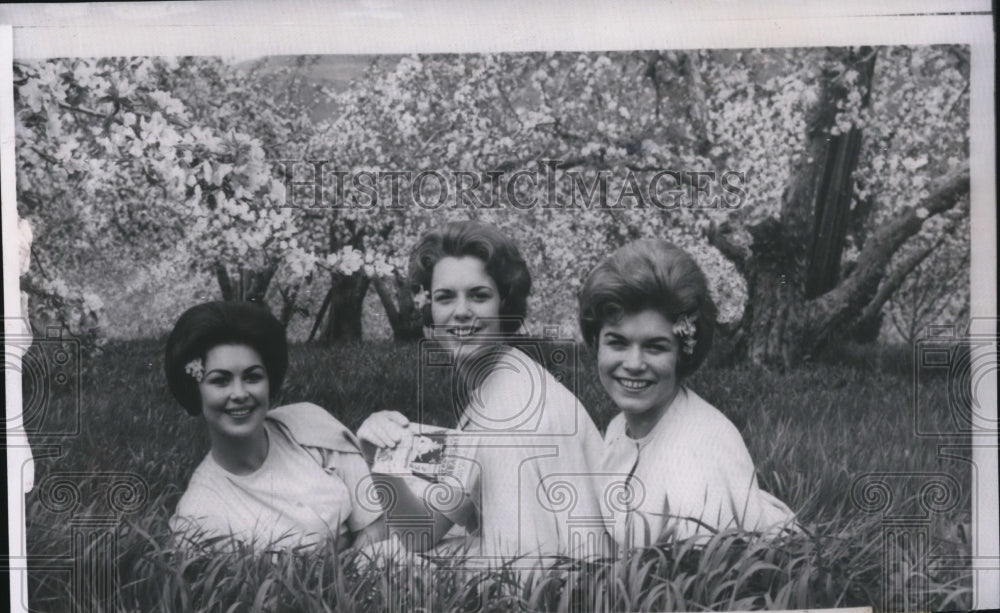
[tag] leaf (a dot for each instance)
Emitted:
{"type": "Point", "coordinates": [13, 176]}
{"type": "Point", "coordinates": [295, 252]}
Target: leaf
{"type": "Point", "coordinates": [262, 594]}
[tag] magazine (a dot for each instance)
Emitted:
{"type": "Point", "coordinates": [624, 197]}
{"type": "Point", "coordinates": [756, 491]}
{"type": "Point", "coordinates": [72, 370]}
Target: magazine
{"type": "Point", "coordinates": [427, 454]}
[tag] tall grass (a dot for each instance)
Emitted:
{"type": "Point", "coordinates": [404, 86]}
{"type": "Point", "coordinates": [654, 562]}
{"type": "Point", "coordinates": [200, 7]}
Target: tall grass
{"type": "Point", "coordinates": [812, 433]}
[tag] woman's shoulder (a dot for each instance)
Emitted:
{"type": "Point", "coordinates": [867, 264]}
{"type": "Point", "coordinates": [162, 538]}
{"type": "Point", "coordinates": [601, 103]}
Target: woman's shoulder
{"type": "Point", "coordinates": [616, 428]}
{"type": "Point", "coordinates": [520, 369]}
{"type": "Point", "coordinates": [710, 434]}
{"type": "Point", "coordinates": [699, 426]}
{"type": "Point", "coordinates": [312, 426]}
{"type": "Point", "coordinates": [525, 375]}
{"type": "Point", "coordinates": [302, 411]}
{"type": "Point", "coordinates": [697, 410]}
{"type": "Point", "coordinates": [509, 371]}
{"type": "Point", "coordinates": [519, 390]}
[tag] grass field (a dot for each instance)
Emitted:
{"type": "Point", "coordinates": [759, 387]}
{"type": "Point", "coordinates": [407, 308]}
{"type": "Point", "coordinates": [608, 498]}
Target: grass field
{"type": "Point", "coordinates": [812, 433]}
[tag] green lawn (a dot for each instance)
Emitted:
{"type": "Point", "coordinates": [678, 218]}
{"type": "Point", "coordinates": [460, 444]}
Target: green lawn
{"type": "Point", "coordinates": [812, 433]}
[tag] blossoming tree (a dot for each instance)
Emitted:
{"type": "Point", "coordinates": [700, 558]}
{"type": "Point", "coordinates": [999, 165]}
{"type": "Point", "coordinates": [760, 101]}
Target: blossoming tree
{"type": "Point", "coordinates": [145, 159]}
{"type": "Point", "coordinates": [832, 146]}
{"type": "Point", "coordinates": [808, 183]}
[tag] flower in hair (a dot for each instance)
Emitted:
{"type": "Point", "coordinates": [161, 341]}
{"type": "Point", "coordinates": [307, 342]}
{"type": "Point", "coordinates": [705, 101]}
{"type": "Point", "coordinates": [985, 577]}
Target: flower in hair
{"type": "Point", "coordinates": [684, 330]}
{"type": "Point", "coordinates": [195, 368]}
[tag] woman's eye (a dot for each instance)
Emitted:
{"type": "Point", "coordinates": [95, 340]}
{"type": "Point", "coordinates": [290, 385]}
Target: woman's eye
{"type": "Point", "coordinates": [482, 297]}
{"type": "Point", "coordinates": [218, 381]}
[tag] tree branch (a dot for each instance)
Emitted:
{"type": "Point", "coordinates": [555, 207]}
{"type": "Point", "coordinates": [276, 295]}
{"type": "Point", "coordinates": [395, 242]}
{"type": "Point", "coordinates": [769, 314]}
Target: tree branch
{"type": "Point", "coordinates": [225, 282]}
{"type": "Point", "coordinates": [386, 297]}
{"type": "Point", "coordinates": [849, 296]}
{"type": "Point", "coordinates": [289, 297]}
{"type": "Point", "coordinates": [720, 237]}
{"type": "Point", "coordinates": [320, 315]}
{"type": "Point", "coordinates": [697, 109]}
{"type": "Point", "coordinates": [896, 279]}
{"type": "Point", "coordinates": [80, 109]}
{"type": "Point", "coordinates": [510, 107]}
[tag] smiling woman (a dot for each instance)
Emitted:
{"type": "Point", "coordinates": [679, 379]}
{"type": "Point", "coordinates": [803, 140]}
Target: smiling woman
{"type": "Point", "coordinates": [465, 300]}
{"type": "Point", "coordinates": [681, 465]}
{"type": "Point", "coordinates": [282, 477]}
{"type": "Point", "coordinates": [235, 394]}
{"type": "Point", "coordinates": [531, 491]}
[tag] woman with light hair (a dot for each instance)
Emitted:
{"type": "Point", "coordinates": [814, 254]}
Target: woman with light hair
{"type": "Point", "coordinates": [529, 443]}
{"type": "Point", "coordinates": [681, 466]}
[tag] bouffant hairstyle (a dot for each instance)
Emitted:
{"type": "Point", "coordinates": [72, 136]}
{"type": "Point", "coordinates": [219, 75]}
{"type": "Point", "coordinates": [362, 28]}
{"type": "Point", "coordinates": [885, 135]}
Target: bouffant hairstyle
{"type": "Point", "coordinates": [649, 274]}
{"type": "Point", "coordinates": [211, 324]}
{"type": "Point", "coordinates": [503, 263]}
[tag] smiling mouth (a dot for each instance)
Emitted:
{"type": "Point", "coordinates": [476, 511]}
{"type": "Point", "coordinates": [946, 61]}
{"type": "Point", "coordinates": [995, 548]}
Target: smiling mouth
{"type": "Point", "coordinates": [239, 413]}
{"type": "Point", "coordinates": [634, 385]}
{"type": "Point", "coordinates": [464, 332]}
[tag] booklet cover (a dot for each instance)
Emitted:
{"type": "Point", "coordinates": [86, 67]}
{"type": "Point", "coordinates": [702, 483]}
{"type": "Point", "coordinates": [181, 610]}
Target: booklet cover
{"type": "Point", "coordinates": [426, 454]}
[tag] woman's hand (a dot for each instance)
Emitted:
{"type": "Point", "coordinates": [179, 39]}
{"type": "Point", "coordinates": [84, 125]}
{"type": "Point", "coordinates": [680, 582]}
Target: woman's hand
{"type": "Point", "coordinates": [384, 428]}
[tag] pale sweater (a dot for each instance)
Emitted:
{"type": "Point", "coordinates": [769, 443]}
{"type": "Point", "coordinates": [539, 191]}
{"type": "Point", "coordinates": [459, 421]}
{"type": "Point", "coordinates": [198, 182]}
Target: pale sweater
{"type": "Point", "coordinates": [309, 488]}
{"type": "Point", "coordinates": [691, 474]}
{"type": "Point", "coordinates": [534, 452]}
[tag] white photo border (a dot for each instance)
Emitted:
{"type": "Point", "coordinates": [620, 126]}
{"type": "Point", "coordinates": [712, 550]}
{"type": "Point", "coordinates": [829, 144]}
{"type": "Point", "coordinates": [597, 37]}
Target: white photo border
{"type": "Point", "coordinates": [384, 26]}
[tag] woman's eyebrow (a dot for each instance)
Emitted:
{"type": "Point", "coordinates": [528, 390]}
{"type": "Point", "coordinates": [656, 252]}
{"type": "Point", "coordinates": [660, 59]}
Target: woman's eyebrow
{"type": "Point", "coordinates": [229, 372]}
{"type": "Point", "coordinates": [474, 288]}
{"type": "Point", "coordinates": [659, 339]}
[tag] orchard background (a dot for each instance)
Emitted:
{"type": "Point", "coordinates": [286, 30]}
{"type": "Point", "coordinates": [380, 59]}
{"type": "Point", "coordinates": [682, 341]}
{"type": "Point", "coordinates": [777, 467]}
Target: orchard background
{"type": "Point", "coordinates": [146, 185]}
{"type": "Point", "coordinates": [151, 183]}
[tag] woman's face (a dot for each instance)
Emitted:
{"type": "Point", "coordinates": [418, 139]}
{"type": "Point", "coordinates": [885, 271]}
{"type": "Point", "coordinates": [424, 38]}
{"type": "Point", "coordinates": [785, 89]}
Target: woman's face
{"type": "Point", "coordinates": [235, 391]}
{"type": "Point", "coordinates": [465, 302]}
{"type": "Point", "coordinates": [637, 361]}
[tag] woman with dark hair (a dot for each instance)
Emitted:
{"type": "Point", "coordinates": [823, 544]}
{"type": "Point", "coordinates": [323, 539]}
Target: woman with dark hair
{"type": "Point", "coordinates": [281, 477]}
{"type": "Point", "coordinates": [684, 469]}
{"type": "Point", "coordinates": [529, 442]}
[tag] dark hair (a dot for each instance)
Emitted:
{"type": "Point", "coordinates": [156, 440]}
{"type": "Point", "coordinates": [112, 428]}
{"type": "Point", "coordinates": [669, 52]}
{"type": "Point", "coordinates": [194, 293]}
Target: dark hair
{"type": "Point", "coordinates": [211, 324]}
{"type": "Point", "coordinates": [649, 274]}
{"type": "Point", "coordinates": [503, 263]}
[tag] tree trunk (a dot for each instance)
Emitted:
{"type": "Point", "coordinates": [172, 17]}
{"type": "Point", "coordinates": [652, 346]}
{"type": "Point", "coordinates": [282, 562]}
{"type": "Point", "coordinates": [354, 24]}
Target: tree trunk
{"type": "Point", "coordinates": [833, 193]}
{"type": "Point", "coordinates": [772, 319]}
{"type": "Point", "coordinates": [289, 304]}
{"type": "Point", "coordinates": [778, 255]}
{"type": "Point", "coordinates": [405, 318]}
{"type": "Point", "coordinates": [781, 326]}
{"type": "Point", "coordinates": [250, 285]}
{"type": "Point", "coordinates": [782, 323]}
{"type": "Point", "coordinates": [346, 305]}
